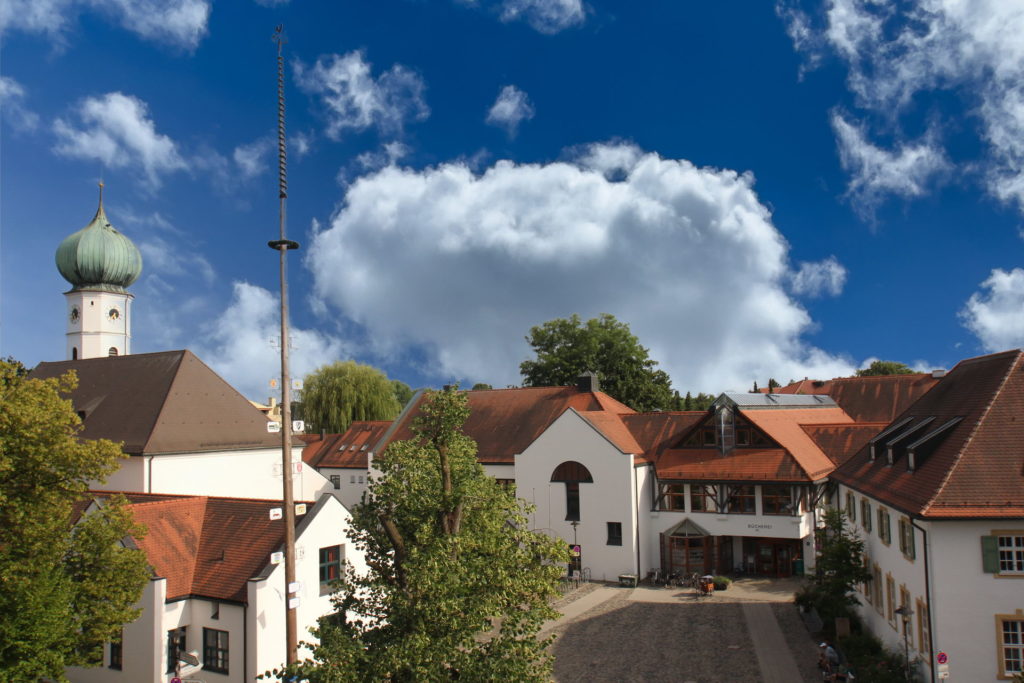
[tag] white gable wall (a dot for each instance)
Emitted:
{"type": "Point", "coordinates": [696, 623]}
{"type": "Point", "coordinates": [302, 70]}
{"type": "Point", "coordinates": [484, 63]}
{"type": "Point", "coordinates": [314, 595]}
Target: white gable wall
{"type": "Point", "coordinates": [609, 499]}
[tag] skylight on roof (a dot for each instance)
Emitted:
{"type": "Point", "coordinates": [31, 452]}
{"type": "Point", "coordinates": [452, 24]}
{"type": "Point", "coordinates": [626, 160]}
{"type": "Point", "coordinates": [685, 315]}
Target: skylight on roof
{"type": "Point", "coordinates": [341, 447]}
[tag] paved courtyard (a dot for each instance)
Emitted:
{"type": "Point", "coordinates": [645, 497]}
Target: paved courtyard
{"type": "Point", "coordinates": [751, 633]}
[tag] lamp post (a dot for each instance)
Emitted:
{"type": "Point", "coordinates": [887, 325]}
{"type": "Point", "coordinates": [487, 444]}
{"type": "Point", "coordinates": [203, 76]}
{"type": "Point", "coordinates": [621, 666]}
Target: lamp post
{"type": "Point", "coordinates": [905, 612]}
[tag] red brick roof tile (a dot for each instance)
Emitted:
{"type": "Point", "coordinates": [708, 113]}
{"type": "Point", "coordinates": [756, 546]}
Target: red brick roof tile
{"type": "Point", "coordinates": [786, 427]}
{"type": "Point", "coordinates": [743, 464]}
{"type": "Point", "coordinates": [840, 441]}
{"type": "Point", "coordinates": [345, 451]}
{"type": "Point", "coordinates": [977, 469]}
{"type": "Point", "coordinates": [868, 399]}
{"type": "Point", "coordinates": [611, 426]}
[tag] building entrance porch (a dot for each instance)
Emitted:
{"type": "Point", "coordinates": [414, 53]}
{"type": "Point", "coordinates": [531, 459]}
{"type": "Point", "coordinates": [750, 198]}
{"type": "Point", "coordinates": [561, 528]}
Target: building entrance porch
{"type": "Point", "coordinates": [771, 557]}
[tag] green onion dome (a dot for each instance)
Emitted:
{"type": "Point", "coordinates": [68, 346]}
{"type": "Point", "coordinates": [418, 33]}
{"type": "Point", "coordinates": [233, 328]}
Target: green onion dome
{"type": "Point", "coordinates": [99, 257]}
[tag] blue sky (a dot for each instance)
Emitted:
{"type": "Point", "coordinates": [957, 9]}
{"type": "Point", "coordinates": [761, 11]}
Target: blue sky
{"type": "Point", "coordinates": [759, 190]}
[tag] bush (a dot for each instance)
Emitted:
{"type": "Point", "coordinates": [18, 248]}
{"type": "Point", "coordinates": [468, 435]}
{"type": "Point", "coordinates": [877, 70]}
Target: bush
{"type": "Point", "coordinates": [721, 582]}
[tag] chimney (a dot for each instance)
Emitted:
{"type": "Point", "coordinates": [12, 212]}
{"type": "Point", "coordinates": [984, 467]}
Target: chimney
{"type": "Point", "coordinates": [588, 382]}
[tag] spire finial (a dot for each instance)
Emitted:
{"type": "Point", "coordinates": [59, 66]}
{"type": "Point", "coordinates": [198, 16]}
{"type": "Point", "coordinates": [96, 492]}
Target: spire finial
{"type": "Point", "coordinates": [101, 195]}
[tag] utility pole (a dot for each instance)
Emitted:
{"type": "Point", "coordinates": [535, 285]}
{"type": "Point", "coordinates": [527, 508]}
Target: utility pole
{"type": "Point", "coordinates": [282, 246]}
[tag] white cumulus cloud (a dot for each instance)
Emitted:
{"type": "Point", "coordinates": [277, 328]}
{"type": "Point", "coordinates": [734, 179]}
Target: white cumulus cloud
{"type": "Point", "coordinates": [462, 264]}
{"type": "Point", "coordinates": [116, 129]}
{"type": "Point", "coordinates": [355, 100]}
{"type": "Point", "coordinates": [12, 105]}
{"type": "Point", "coordinates": [238, 345]}
{"type": "Point", "coordinates": [545, 16]}
{"type": "Point", "coordinates": [996, 315]}
{"type": "Point", "coordinates": [252, 158]}
{"type": "Point", "coordinates": [901, 55]}
{"type": "Point", "coordinates": [819, 278]}
{"type": "Point", "coordinates": [181, 23]}
{"type": "Point", "coordinates": [511, 108]}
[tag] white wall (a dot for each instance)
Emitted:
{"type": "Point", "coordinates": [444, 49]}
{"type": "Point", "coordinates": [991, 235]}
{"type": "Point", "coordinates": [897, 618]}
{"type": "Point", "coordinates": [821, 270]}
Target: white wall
{"type": "Point", "coordinates": [352, 484]}
{"type": "Point", "coordinates": [609, 499]}
{"type": "Point", "coordinates": [132, 475]}
{"type": "Point", "coordinates": [95, 332]}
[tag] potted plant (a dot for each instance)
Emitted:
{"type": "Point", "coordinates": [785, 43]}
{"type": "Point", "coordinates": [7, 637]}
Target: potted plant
{"type": "Point", "coordinates": [721, 582]}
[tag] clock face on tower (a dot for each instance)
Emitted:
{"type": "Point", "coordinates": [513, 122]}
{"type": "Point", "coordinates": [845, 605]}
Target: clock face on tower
{"type": "Point", "coordinates": [113, 314]}
{"type": "Point", "coordinates": [75, 315]}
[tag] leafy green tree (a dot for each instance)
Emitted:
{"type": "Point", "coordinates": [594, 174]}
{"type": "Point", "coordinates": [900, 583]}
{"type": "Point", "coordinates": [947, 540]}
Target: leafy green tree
{"type": "Point", "coordinates": [568, 347]}
{"type": "Point", "coordinates": [840, 563]}
{"type": "Point", "coordinates": [403, 392]}
{"type": "Point", "coordinates": [64, 589]}
{"type": "Point", "coordinates": [481, 386]}
{"type": "Point", "coordinates": [701, 402]}
{"type": "Point", "coordinates": [335, 395]}
{"type": "Point", "coordinates": [457, 586]}
{"type": "Point", "coordinates": [885, 367]}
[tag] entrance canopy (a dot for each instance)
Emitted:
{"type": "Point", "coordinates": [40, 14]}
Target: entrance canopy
{"type": "Point", "coordinates": [687, 527]}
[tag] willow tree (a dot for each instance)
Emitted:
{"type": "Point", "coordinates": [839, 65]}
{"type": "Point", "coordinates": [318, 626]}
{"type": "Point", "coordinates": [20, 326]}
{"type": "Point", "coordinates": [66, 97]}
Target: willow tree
{"type": "Point", "coordinates": [457, 587]}
{"type": "Point", "coordinates": [335, 395]}
{"type": "Point", "coordinates": [65, 589]}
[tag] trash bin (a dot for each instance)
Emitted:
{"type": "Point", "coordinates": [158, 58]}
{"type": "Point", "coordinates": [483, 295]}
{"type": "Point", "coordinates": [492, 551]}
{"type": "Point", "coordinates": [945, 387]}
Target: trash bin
{"type": "Point", "coordinates": [627, 580]}
{"type": "Point", "coordinates": [798, 566]}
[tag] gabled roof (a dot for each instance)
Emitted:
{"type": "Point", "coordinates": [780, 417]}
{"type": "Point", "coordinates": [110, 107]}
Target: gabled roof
{"type": "Point", "coordinates": [657, 432]}
{"type": "Point", "coordinates": [975, 468]}
{"type": "Point", "coordinates": [610, 425]}
{"type": "Point", "coordinates": [205, 546]}
{"type": "Point", "coordinates": [749, 401]}
{"type": "Point", "coordinates": [168, 402]}
{"type": "Point", "coordinates": [840, 441]}
{"type": "Point", "coordinates": [504, 422]}
{"type": "Point", "coordinates": [786, 427]}
{"type": "Point", "coordinates": [344, 451]}
{"type": "Point", "coordinates": [868, 399]}
{"type": "Point", "coordinates": [743, 464]}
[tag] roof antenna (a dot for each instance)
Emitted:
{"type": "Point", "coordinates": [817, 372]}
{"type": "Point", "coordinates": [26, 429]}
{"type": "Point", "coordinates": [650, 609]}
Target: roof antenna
{"type": "Point", "coordinates": [283, 246]}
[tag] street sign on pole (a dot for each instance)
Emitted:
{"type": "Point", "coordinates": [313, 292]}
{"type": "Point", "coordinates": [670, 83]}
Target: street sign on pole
{"type": "Point", "coordinates": [942, 658]}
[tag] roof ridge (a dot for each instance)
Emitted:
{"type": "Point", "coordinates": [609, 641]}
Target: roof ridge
{"type": "Point", "coordinates": [239, 499]}
{"type": "Point", "coordinates": [179, 499]}
{"type": "Point", "coordinates": [977, 425]}
{"type": "Point", "coordinates": [164, 400]}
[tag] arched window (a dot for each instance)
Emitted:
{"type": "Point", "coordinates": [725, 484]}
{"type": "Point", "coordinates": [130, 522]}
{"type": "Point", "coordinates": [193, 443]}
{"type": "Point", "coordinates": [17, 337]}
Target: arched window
{"type": "Point", "coordinates": [112, 351]}
{"type": "Point", "coordinates": [74, 353]}
{"type": "Point", "coordinates": [572, 474]}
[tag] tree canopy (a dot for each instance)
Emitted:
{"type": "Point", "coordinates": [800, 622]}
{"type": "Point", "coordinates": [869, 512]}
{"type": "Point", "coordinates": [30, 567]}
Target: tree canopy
{"type": "Point", "coordinates": [403, 392]}
{"type": "Point", "coordinates": [885, 367]}
{"type": "Point", "coordinates": [65, 589]}
{"type": "Point", "coordinates": [568, 347]}
{"type": "Point", "coordinates": [457, 587]}
{"type": "Point", "coordinates": [335, 395]}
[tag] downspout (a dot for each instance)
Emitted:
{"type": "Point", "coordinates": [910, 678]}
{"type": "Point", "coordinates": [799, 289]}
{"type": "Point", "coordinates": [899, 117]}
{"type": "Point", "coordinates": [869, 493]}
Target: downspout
{"type": "Point", "coordinates": [927, 597]}
{"type": "Point", "coordinates": [636, 496]}
{"type": "Point", "coordinates": [149, 475]}
{"type": "Point", "coordinates": [245, 642]}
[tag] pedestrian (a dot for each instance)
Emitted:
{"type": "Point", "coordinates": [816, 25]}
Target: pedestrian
{"type": "Point", "coordinates": [828, 658]}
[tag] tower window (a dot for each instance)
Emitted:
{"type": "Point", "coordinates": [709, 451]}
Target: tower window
{"type": "Point", "coordinates": [112, 351]}
{"type": "Point", "coordinates": [74, 353]}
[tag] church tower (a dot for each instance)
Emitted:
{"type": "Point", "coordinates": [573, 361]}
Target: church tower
{"type": "Point", "coordinates": [100, 263]}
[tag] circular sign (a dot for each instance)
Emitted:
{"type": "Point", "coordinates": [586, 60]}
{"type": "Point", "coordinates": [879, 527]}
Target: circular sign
{"type": "Point", "coordinates": [942, 658]}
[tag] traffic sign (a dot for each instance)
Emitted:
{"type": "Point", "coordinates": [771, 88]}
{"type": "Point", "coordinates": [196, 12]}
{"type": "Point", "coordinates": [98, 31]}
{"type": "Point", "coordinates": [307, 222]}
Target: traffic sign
{"type": "Point", "coordinates": [942, 658]}
{"type": "Point", "coordinates": [175, 680]}
{"type": "Point", "coordinates": [943, 674]}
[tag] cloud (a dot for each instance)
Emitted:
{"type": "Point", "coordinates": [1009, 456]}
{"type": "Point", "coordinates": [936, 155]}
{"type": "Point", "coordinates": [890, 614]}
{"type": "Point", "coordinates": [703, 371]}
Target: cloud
{"type": "Point", "coordinates": [238, 344]}
{"type": "Point", "coordinates": [12, 108]}
{"type": "Point", "coordinates": [545, 16]}
{"type": "Point", "coordinates": [462, 264]}
{"type": "Point", "coordinates": [510, 109]}
{"type": "Point", "coordinates": [116, 130]}
{"type": "Point", "coordinates": [877, 173]}
{"type": "Point", "coordinates": [818, 279]}
{"type": "Point", "coordinates": [251, 158]}
{"type": "Point", "coordinates": [903, 57]}
{"type": "Point", "coordinates": [355, 100]}
{"type": "Point", "coordinates": [996, 316]}
{"type": "Point", "coordinates": [181, 23]}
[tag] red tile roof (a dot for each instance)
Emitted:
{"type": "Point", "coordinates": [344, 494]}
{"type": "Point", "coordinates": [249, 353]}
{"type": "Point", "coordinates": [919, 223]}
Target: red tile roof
{"type": "Point", "coordinates": [344, 451]}
{"type": "Point", "coordinates": [868, 399]}
{"type": "Point", "coordinates": [504, 422]}
{"type": "Point", "coordinates": [611, 426]}
{"type": "Point", "coordinates": [786, 427]}
{"type": "Point", "coordinates": [977, 468]}
{"type": "Point", "coordinates": [205, 546]}
{"type": "Point", "coordinates": [657, 432]}
{"type": "Point", "coordinates": [743, 464]}
{"type": "Point", "coordinates": [840, 441]}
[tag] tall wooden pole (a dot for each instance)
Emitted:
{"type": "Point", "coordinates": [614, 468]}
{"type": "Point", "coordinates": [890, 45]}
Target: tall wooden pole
{"type": "Point", "coordinates": [282, 246]}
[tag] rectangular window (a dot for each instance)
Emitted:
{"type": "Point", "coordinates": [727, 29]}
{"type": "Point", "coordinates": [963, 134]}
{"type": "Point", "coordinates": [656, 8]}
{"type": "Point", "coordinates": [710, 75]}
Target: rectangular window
{"type": "Point", "coordinates": [702, 498]}
{"type": "Point", "coordinates": [923, 629]}
{"type": "Point", "coordinates": [866, 586]}
{"type": "Point", "coordinates": [176, 644]}
{"type": "Point", "coordinates": [742, 500]}
{"type": "Point", "coordinates": [907, 538]}
{"type": "Point", "coordinates": [215, 611]}
{"type": "Point", "coordinates": [572, 501]}
{"type": "Point", "coordinates": [336, 481]}
{"type": "Point", "coordinates": [330, 563]}
{"type": "Point", "coordinates": [1011, 554]}
{"type": "Point", "coordinates": [1011, 630]}
{"type": "Point", "coordinates": [351, 478]}
{"type": "Point", "coordinates": [777, 500]}
{"type": "Point", "coordinates": [890, 600]}
{"type": "Point", "coordinates": [215, 650]}
{"type": "Point", "coordinates": [360, 479]}
{"type": "Point", "coordinates": [851, 507]}
{"type": "Point", "coordinates": [876, 580]}
{"type": "Point", "coordinates": [907, 624]}
{"type": "Point", "coordinates": [884, 532]}
{"type": "Point", "coordinates": [117, 652]}
{"type": "Point", "coordinates": [614, 533]}
{"type": "Point", "coordinates": [507, 484]}
{"type": "Point", "coordinates": [673, 497]}
{"type": "Point", "coordinates": [865, 514]}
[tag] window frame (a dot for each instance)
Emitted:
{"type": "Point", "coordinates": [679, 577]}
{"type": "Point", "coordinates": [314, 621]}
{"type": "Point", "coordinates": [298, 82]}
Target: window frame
{"type": "Point", "coordinates": [329, 564]}
{"type": "Point", "coordinates": [770, 501]}
{"type": "Point", "coordinates": [851, 507]}
{"type": "Point", "coordinates": [890, 600]}
{"type": "Point", "coordinates": [923, 629]}
{"type": "Point", "coordinates": [116, 646]}
{"type": "Point", "coordinates": [876, 579]}
{"type": "Point", "coordinates": [572, 501]}
{"type": "Point", "coordinates": [174, 647]}
{"type": "Point", "coordinates": [706, 493]}
{"type": "Point", "coordinates": [736, 495]}
{"type": "Point", "coordinates": [1015, 549]}
{"type": "Point", "coordinates": [907, 541]}
{"type": "Point", "coordinates": [614, 533]}
{"type": "Point", "coordinates": [673, 497]}
{"type": "Point", "coordinates": [884, 525]}
{"type": "Point", "coordinates": [1002, 620]}
{"type": "Point", "coordinates": [865, 514]}
{"type": "Point", "coordinates": [336, 481]}
{"type": "Point", "coordinates": [907, 625]}
{"type": "Point", "coordinates": [214, 654]}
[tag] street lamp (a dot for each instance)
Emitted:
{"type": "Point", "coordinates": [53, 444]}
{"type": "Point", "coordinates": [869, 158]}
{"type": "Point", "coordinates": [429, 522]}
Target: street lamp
{"type": "Point", "coordinates": [905, 612]}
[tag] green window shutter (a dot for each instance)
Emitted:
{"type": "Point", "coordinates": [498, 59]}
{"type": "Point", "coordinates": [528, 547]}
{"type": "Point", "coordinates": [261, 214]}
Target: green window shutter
{"type": "Point", "coordinates": [990, 554]}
